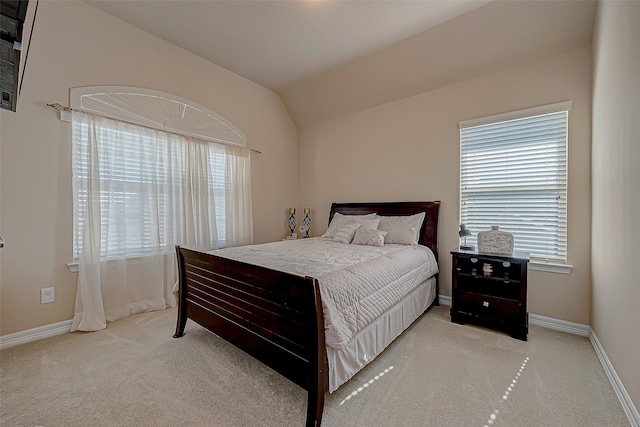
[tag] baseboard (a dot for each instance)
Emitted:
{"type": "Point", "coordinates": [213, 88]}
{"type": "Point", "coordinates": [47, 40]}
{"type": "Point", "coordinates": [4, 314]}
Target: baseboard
{"type": "Point", "coordinates": [627, 405]}
{"type": "Point", "coordinates": [35, 334]}
{"type": "Point", "coordinates": [559, 325]}
{"type": "Point", "coordinates": [445, 300]}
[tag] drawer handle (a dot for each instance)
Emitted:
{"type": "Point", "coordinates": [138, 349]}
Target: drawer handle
{"type": "Point", "coordinates": [485, 303]}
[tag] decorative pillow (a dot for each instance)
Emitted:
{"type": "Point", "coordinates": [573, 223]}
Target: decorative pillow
{"type": "Point", "coordinates": [402, 230]}
{"type": "Point", "coordinates": [369, 224]}
{"type": "Point", "coordinates": [339, 220]}
{"type": "Point", "coordinates": [369, 237]}
{"type": "Point", "coordinates": [346, 232]}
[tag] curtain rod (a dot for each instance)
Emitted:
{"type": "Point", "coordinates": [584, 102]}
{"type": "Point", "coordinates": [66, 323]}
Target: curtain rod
{"type": "Point", "coordinates": [59, 107]}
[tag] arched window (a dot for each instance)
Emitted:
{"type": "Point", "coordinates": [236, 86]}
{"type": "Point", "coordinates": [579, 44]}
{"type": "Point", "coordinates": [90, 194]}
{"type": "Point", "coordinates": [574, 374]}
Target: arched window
{"type": "Point", "coordinates": [157, 110]}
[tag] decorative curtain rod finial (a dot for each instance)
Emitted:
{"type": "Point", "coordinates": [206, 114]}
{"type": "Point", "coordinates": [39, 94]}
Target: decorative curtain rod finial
{"type": "Point", "coordinates": [59, 107]}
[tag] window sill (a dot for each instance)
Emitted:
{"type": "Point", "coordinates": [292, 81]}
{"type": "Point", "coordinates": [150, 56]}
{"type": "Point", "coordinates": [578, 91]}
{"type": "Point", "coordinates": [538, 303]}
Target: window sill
{"type": "Point", "coordinates": [73, 265]}
{"type": "Point", "coordinates": [550, 267]}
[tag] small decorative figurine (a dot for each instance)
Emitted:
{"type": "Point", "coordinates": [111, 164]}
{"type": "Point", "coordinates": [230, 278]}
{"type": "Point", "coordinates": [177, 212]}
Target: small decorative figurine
{"type": "Point", "coordinates": [487, 269]}
{"type": "Point", "coordinates": [292, 221]}
{"type": "Point", "coordinates": [305, 228]}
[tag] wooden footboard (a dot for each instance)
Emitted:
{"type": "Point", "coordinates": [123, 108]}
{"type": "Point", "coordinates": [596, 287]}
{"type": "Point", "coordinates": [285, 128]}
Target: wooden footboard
{"type": "Point", "coordinates": [276, 317]}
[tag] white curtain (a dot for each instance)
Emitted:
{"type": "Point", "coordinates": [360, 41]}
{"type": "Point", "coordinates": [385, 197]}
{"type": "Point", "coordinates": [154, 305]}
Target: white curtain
{"type": "Point", "coordinates": [138, 192]}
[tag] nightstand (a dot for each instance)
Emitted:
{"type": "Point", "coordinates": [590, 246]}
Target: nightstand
{"type": "Point", "coordinates": [491, 290]}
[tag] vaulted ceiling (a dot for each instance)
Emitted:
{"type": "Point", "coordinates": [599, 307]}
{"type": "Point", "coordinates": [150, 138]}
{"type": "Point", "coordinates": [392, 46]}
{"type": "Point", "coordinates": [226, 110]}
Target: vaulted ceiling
{"type": "Point", "coordinates": [330, 58]}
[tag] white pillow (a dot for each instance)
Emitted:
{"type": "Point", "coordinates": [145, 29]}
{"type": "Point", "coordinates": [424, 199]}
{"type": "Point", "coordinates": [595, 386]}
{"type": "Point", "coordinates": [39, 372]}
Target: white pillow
{"type": "Point", "coordinates": [339, 220]}
{"type": "Point", "coordinates": [346, 232]}
{"type": "Point", "coordinates": [402, 230]}
{"type": "Point", "coordinates": [369, 237]}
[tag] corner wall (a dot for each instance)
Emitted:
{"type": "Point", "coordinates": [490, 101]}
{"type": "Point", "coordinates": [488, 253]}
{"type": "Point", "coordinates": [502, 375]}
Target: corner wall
{"type": "Point", "coordinates": [410, 150]}
{"type": "Point", "coordinates": [74, 44]}
{"type": "Point", "coordinates": [615, 189]}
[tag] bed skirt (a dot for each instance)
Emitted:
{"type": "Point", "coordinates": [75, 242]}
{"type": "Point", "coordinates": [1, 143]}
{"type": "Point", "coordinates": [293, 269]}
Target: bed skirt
{"type": "Point", "coordinates": [374, 338]}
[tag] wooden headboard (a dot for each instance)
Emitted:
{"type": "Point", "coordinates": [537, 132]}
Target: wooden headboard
{"type": "Point", "coordinates": [428, 232]}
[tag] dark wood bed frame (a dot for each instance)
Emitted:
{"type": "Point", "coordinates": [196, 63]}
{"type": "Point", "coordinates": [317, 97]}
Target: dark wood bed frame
{"type": "Point", "coordinates": [276, 317]}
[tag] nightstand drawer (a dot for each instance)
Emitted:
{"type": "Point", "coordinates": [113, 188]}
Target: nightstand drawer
{"type": "Point", "coordinates": [487, 306]}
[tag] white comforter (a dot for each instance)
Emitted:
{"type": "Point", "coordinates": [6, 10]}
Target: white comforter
{"type": "Point", "coordinates": [357, 283]}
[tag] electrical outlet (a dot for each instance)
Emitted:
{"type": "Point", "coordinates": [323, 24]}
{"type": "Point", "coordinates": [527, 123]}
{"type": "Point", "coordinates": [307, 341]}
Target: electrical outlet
{"type": "Point", "coordinates": [47, 295]}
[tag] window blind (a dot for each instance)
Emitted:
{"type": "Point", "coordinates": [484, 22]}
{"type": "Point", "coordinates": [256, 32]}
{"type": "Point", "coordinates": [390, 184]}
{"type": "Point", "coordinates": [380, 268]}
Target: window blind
{"type": "Point", "coordinates": [513, 173]}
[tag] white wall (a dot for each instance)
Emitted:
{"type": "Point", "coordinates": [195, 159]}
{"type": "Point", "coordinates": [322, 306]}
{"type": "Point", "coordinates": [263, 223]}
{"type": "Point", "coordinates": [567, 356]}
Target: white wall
{"type": "Point", "coordinates": [409, 150]}
{"type": "Point", "coordinates": [73, 45]}
{"type": "Point", "coordinates": [616, 189]}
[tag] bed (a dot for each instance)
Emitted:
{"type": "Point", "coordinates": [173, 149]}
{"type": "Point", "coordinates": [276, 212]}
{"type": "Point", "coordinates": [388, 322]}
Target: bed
{"type": "Point", "coordinates": [278, 316]}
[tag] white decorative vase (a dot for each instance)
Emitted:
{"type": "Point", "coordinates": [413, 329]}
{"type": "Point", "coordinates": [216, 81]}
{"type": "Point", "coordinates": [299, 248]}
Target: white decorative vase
{"type": "Point", "coordinates": [495, 241]}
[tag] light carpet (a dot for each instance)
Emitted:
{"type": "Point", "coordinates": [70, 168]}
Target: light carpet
{"type": "Point", "coordinates": [436, 374]}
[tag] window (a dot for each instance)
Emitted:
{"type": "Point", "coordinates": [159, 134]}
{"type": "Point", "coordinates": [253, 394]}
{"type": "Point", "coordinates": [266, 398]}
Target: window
{"type": "Point", "coordinates": [151, 170]}
{"type": "Point", "coordinates": [513, 173]}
